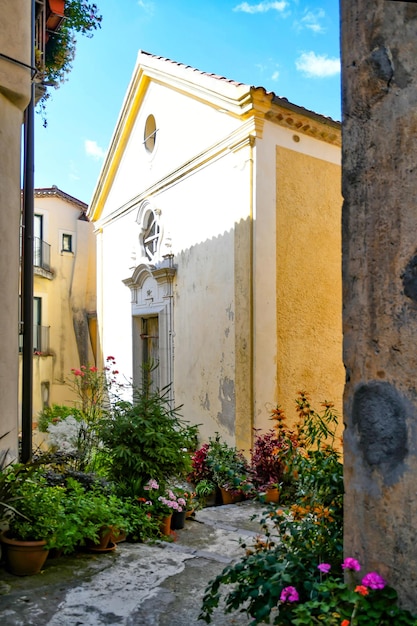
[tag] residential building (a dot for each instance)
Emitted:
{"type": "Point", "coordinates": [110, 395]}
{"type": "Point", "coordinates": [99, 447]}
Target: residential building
{"type": "Point", "coordinates": [217, 214]}
{"type": "Point", "coordinates": [15, 93]}
{"type": "Point", "coordinates": [64, 295]}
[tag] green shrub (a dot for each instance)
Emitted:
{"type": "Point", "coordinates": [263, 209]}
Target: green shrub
{"type": "Point", "coordinates": [144, 439]}
{"type": "Point", "coordinates": [295, 539]}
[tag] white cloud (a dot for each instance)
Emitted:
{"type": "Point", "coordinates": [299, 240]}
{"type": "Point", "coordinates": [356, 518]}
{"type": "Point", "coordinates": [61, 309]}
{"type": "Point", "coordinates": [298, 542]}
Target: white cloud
{"type": "Point", "coordinates": [317, 65]}
{"type": "Point", "coordinates": [311, 20]}
{"type": "Point", "coordinates": [261, 7]}
{"type": "Point", "coordinates": [275, 75]}
{"type": "Point", "coordinates": [93, 149]}
{"type": "Point", "coordinates": [148, 7]}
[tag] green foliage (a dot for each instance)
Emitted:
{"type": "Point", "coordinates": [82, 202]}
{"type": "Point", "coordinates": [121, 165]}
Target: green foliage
{"type": "Point", "coordinates": [80, 17]}
{"type": "Point", "coordinates": [228, 466]}
{"type": "Point", "coordinates": [143, 440]}
{"type": "Point", "coordinates": [295, 540]}
{"type": "Point", "coordinates": [40, 506]}
{"type": "Point", "coordinates": [141, 524]}
{"type": "Point", "coordinates": [334, 602]}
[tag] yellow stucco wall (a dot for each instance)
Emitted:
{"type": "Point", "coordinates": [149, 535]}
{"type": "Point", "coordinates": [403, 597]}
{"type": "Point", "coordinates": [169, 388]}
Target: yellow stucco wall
{"type": "Point", "coordinates": [68, 299]}
{"type": "Point", "coordinates": [309, 283]}
{"type": "Point", "coordinates": [15, 82]}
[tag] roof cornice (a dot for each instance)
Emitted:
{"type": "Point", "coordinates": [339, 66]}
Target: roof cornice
{"type": "Point", "coordinates": [49, 192]}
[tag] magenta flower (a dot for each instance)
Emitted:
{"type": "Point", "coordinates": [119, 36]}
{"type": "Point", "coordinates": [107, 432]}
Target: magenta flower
{"type": "Point", "coordinates": [324, 567]}
{"type": "Point", "coordinates": [373, 581]}
{"type": "Point", "coordinates": [289, 594]}
{"type": "Point", "coordinates": [352, 564]}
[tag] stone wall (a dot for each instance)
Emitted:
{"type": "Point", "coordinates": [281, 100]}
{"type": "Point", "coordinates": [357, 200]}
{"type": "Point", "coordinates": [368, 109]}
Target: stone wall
{"type": "Point", "coordinates": [379, 87]}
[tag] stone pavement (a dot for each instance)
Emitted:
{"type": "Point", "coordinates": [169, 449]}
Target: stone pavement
{"type": "Point", "coordinates": [138, 584]}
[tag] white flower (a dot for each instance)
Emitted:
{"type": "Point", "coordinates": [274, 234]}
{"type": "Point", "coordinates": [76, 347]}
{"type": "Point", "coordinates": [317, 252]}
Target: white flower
{"type": "Point", "coordinates": [64, 435]}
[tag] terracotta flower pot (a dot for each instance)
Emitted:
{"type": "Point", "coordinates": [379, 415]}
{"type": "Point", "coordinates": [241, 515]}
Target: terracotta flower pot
{"type": "Point", "coordinates": [105, 536]}
{"type": "Point", "coordinates": [272, 495]}
{"type": "Point", "coordinates": [230, 497]}
{"type": "Point", "coordinates": [165, 525]}
{"type": "Point", "coordinates": [24, 558]}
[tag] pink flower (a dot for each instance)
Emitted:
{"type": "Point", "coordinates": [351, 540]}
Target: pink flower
{"type": "Point", "coordinates": [352, 564]}
{"type": "Point", "coordinates": [324, 567]}
{"type": "Point", "coordinates": [289, 594]}
{"type": "Point", "coordinates": [110, 358]}
{"type": "Point", "coordinates": [115, 371]}
{"type": "Point", "coordinates": [373, 581]}
{"type": "Point", "coordinates": [93, 369]}
{"type": "Point", "coordinates": [152, 484]}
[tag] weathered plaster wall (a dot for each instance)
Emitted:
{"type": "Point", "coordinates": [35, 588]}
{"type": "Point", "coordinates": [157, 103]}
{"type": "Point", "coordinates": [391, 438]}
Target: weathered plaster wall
{"type": "Point", "coordinates": [308, 293]}
{"type": "Point", "coordinates": [379, 61]}
{"type": "Point", "coordinates": [14, 97]}
{"type": "Point", "coordinates": [68, 299]}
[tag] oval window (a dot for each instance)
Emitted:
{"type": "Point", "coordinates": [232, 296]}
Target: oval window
{"type": "Point", "coordinates": [150, 133]}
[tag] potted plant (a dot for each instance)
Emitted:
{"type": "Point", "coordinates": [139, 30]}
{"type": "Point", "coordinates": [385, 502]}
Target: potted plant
{"type": "Point", "coordinates": [143, 440]}
{"type": "Point", "coordinates": [267, 464]}
{"type": "Point", "coordinates": [103, 520]}
{"type": "Point", "coordinates": [205, 491]}
{"type": "Point", "coordinates": [230, 469]}
{"type": "Point", "coordinates": [168, 504]}
{"type": "Point", "coordinates": [33, 530]}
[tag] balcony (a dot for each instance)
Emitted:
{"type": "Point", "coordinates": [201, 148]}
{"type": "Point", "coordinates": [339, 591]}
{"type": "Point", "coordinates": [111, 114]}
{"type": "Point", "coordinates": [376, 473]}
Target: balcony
{"type": "Point", "coordinates": [40, 340]}
{"type": "Point", "coordinates": [41, 254]}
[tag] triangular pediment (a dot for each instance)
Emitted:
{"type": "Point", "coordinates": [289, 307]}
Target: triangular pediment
{"type": "Point", "coordinates": [160, 80]}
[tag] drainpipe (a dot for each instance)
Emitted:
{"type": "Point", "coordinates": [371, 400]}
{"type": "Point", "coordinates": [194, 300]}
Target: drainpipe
{"type": "Point", "coordinates": [27, 265]}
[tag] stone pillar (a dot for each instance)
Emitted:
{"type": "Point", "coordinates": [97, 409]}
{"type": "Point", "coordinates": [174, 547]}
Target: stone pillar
{"type": "Point", "coordinates": [15, 80]}
{"type": "Point", "coordinates": [379, 89]}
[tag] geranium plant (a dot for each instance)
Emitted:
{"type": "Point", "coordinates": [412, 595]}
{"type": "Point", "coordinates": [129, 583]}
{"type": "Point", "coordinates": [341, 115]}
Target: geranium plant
{"type": "Point", "coordinates": [367, 601]}
{"type": "Point", "coordinates": [164, 500]}
{"type": "Point", "coordinates": [295, 539]}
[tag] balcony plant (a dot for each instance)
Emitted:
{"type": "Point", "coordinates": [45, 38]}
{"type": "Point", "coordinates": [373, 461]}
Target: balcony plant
{"type": "Point", "coordinates": [55, 62]}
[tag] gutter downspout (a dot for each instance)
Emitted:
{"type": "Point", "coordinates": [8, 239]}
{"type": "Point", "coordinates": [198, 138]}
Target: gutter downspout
{"type": "Point", "coordinates": [27, 265]}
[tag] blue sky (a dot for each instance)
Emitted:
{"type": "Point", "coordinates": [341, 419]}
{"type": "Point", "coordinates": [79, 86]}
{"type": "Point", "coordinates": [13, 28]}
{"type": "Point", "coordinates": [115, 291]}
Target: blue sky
{"type": "Point", "coordinates": [290, 47]}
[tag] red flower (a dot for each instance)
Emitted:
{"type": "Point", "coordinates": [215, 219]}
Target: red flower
{"type": "Point", "coordinates": [362, 590]}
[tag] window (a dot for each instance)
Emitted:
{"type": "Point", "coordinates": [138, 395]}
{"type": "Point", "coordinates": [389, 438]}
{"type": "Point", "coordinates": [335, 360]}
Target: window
{"type": "Point", "coordinates": [37, 240]}
{"type": "Point", "coordinates": [149, 139]}
{"type": "Point", "coordinates": [66, 243]}
{"type": "Point", "coordinates": [151, 235]}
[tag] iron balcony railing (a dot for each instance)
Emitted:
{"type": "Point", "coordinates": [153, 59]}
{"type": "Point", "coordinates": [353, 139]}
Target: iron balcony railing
{"type": "Point", "coordinates": [41, 254]}
{"type": "Point", "coordinates": [40, 339]}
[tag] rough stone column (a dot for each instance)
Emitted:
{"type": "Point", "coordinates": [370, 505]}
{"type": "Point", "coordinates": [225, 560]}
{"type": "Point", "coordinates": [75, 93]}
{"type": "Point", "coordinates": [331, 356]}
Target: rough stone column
{"type": "Point", "coordinates": [379, 78]}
